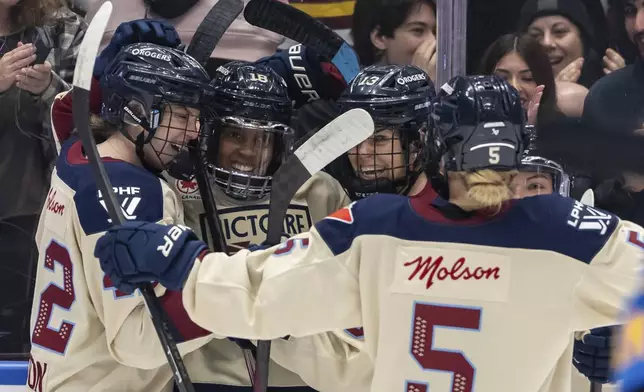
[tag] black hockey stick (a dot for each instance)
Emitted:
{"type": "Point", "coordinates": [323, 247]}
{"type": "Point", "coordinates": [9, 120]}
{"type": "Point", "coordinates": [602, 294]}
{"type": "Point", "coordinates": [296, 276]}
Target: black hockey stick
{"type": "Point", "coordinates": [212, 28]}
{"type": "Point", "coordinates": [198, 156]}
{"type": "Point", "coordinates": [336, 138]}
{"type": "Point", "coordinates": [294, 24]}
{"type": "Point", "coordinates": [82, 83]}
{"type": "Point", "coordinates": [203, 43]}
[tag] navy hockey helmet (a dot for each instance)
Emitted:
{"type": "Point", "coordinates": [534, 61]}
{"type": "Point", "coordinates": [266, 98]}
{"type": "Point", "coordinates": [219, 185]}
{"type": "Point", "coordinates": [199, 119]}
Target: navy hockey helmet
{"type": "Point", "coordinates": [143, 83]}
{"type": "Point", "coordinates": [251, 133]}
{"type": "Point", "coordinates": [535, 166]}
{"type": "Point", "coordinates": [398, 97]}
{"type": "Point", "coordinates": [478, 123]}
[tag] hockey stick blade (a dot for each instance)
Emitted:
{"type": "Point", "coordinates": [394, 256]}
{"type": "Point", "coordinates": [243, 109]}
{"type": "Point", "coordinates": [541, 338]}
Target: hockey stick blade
{"type": "Point", "coordinates": [212, 28]}
{"type": "Point", "coordinates": [82, 83]}
{"type": "Point", "coordinates": [297, 25]}
{"type": "Point", "coordinates": [326, 145]}
{"type": "Point", "coordinates": [336, 138]}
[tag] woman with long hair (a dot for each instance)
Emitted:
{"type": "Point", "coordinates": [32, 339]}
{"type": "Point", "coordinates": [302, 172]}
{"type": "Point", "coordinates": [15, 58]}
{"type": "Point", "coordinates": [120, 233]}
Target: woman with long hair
{"type": "Point", "coordinates": [522, 61]}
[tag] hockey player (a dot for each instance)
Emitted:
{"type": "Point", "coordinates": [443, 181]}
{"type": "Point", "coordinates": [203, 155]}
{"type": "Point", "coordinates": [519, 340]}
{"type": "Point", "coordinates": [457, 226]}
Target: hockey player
{"type": "Point", "coordinates": [398, 97]}
{"type": "Point", "coordinates": [251, 136]}
{"type": "Point", "coordinates": [447, 290]}
{"type": "Point", "coordinates": [538, 175]}
{"type": "Point", "coordinates": [86, 334]}
{"type": "Point", "coordinates": [220, 364]}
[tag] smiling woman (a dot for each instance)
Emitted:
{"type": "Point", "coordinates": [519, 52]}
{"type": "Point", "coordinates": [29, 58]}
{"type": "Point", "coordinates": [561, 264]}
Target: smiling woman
{"type": "Point", "coordinates": [390, 32]}
{"type": "Point", "coordinates": [564, 28]}
{"type": "Point", "coordinates": [522, 61]}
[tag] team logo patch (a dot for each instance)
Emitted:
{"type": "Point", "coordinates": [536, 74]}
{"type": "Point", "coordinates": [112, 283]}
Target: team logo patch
{"type": "Point", "coordinates": [129, 196]}
{"type": "Point", "coordinates": [188, 190]}
{"type": "Point", "coordinates": [583, 217]}
{"type": "Point", "coordinates": [344, 215]}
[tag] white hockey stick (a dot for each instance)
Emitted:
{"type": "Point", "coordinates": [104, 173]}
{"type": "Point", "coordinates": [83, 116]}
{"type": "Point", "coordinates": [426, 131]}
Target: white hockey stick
{"type": "Point", "coordinates": [329, 143]}
{"type": "Point", "coordinates": [588, 198]}
{"type": "Point", "coordinates": [83, 74]}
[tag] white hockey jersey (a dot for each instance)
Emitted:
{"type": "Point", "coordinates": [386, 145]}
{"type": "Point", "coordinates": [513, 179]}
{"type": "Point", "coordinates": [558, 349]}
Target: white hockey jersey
{"type": "Point", "coordinates": [481, 303]}
{"type": "Point", "coordinates": [222, 362]}
{"type": "Point", "coordinates": [86, 335]}
{"type": "Point", "coordinates": [246, 222]}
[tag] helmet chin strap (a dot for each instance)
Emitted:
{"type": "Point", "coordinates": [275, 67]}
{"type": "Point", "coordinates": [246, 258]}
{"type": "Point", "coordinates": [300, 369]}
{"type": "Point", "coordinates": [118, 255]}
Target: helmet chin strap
{"type": "Point", "coordinates": [140, 153]}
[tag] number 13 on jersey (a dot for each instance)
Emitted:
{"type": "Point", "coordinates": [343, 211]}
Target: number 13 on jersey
{"type": "Point", "coordinates": [426, 319]}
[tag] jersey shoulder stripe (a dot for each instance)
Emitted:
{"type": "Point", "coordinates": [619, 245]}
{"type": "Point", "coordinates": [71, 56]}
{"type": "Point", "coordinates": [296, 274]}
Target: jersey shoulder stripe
{"type": "Point", "coordinates": [548, 223]}
{"type": "Point", "coordinates": [138, 191]}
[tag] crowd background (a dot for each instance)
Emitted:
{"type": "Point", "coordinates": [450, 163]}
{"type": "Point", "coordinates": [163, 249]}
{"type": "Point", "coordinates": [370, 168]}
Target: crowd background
{"type": "Point", "coordinates": [571, 60]}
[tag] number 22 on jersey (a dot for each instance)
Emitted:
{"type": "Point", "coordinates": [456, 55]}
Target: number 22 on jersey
{"type": "Point", "coordinates": [426, 319]}
{"type": "Point", "coordinates": [57, 258]}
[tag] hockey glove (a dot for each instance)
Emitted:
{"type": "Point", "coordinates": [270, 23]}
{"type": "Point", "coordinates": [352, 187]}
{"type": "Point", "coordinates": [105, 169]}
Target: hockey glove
{"type": "Point", "coordinates": [592, 354]}
{"type": "Point", "coordinates": [141, 30]}
{"type": "Point", "coordinates": [307, 76]}
{"type": "Point", "coordinates": [142, 252]}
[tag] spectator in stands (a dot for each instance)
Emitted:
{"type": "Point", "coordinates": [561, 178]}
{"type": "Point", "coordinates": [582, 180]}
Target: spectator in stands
{"type": "Point", "coordinates": [29, 29]}
{"type": "Point", "coordinates": [396, 32]}
{"type": "Point", "coordinates": [566, 30]}
{"type": "Point", "coordinates": [241, 41]}
{"type": "Point", "coordinates": [523, 62]}
{"type": "Point", "coordinates": [615, 102]}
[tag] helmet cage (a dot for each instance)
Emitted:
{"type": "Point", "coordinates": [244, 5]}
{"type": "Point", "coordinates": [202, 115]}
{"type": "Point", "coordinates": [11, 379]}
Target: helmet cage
{"type": "Point", "coordinates": [560, 179]}
{"type": "Point", "coordinates": [247, 186]}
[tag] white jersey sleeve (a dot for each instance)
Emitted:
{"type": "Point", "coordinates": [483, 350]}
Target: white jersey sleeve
{"type": "Point", "coordinates": [84, 331]}
{"type": "Point", "coordinates": [244, 222]}
{"type": "Point", "coordinates": [443, 303]}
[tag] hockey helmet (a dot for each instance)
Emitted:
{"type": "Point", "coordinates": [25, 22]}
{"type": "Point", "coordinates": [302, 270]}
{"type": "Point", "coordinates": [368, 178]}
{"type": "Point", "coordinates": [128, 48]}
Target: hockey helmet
{"type": "Point", "coordinates": [251, 136]}
{"type": "Point", "coordinates": [398, 97]}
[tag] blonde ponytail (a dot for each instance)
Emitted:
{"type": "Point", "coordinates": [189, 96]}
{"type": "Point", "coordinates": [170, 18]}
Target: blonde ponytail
{"type": "Point", "coordinates": [488, 189]}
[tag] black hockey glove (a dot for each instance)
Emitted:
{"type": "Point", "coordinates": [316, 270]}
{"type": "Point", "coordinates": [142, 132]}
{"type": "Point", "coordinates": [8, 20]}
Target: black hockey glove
{"type": "Point", "coordinates": [307, 76]}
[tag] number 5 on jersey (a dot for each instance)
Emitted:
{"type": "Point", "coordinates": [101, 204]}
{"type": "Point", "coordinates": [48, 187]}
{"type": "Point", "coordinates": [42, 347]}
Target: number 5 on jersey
{"type": "Point", "coordinates": [427, 317]}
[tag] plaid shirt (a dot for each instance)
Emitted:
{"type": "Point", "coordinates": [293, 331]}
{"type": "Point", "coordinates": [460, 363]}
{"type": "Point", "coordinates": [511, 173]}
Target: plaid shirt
{"type": "Point", "coordinates": [27, 148]}
{"type": "Point", "coordinates": [67, 33]}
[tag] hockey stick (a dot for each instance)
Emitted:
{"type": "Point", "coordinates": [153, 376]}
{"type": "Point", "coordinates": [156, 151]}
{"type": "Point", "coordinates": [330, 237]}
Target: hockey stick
{"type": "Point", "coordinates": [212, 28]}
{"type": "Point", "coordinates": [82, 83]}
{"type": "Point", "coordinates": [204, 41]}
{"type": "Point", "coordinates": [294, 24]}
{"type": "Point", "coordinates": [336, 138]}
{"type": "Point", "coordinates": [198, 156]}
{"type": "Point", "coordinates": [588, 198]}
